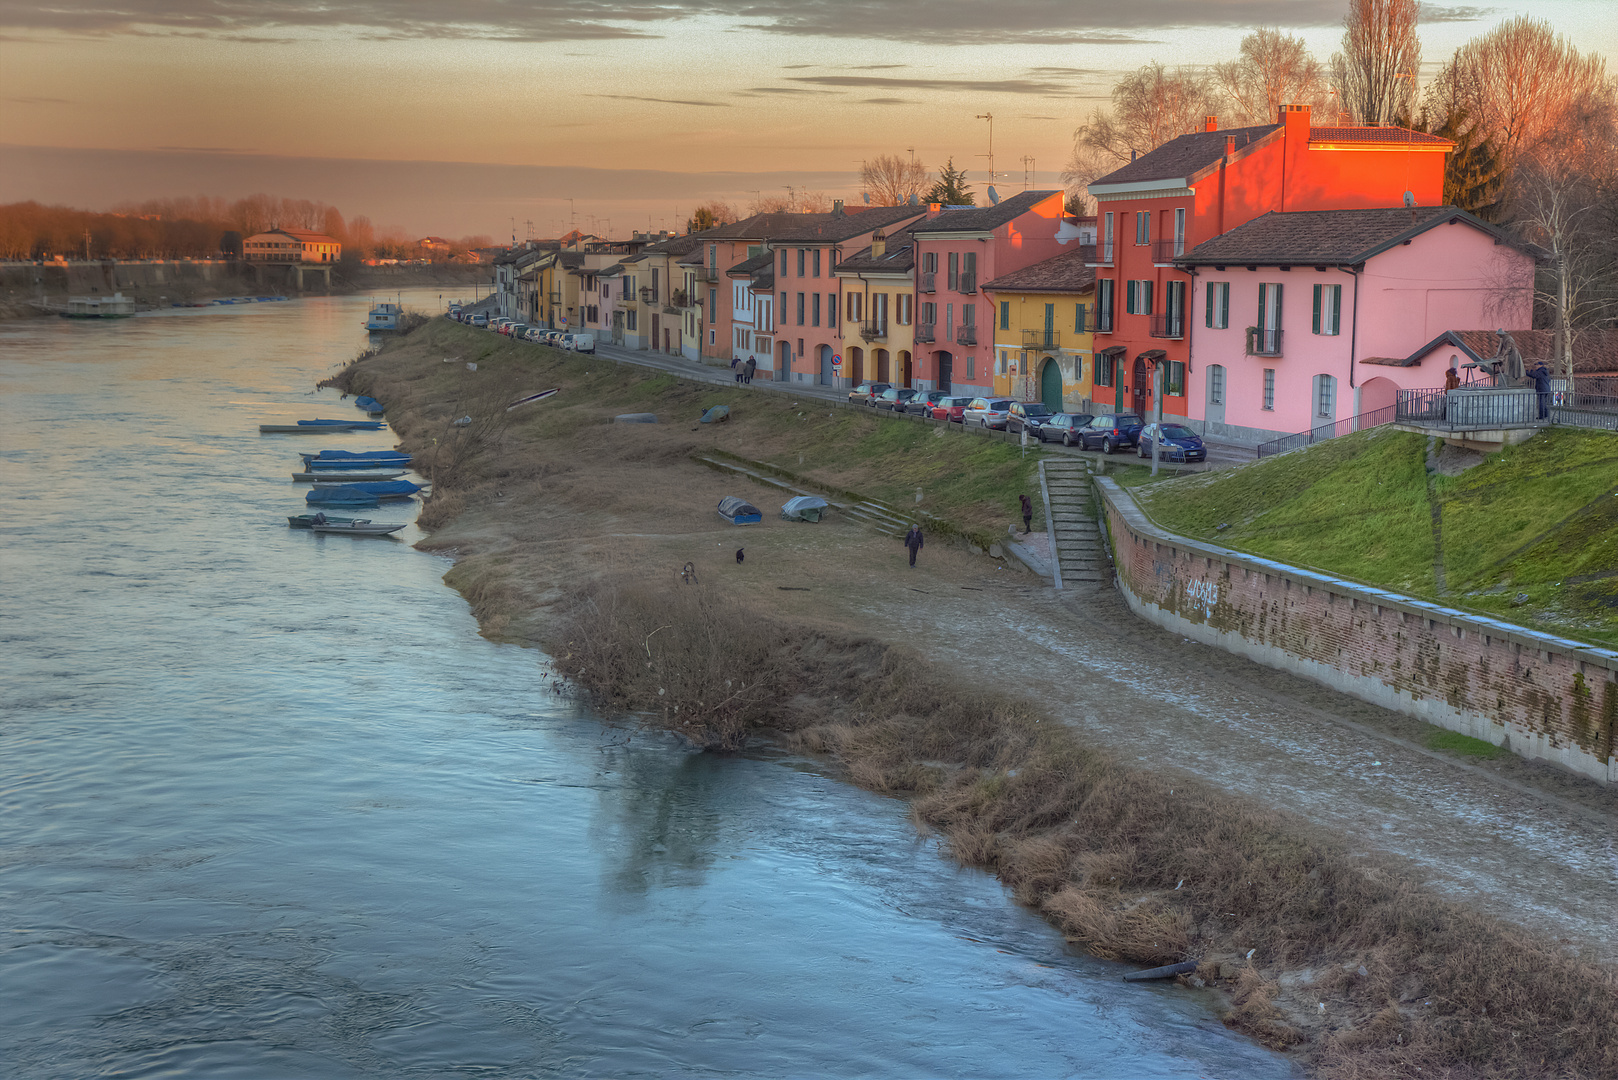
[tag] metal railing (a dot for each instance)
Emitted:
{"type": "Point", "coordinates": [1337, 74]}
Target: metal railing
{"type": "Point", "coordinates": [1508, 407]}
{"type": "Point", "coordinates": [1104, 252]}
{"type": "Point", "coordinates": [966, 335]}
{"type": "Point", "coordinates": [969, 283]}
{"type": "Point", "coordinates": [929, 281]}
{"type": "Point", "coordinates": [648, 296]}
{"type": "Point", "coordinates": [1103, 322]}
{"type": "Point", "coordinates": [1166, 251]}
{"type": "Point", "coordinates": [874, 331]}
{"type": "Point", "coordinates": [708, 273]}
{"type": "Point", "coordinates": [1596, 407]}
{"type": "Point", "coordinates": [924, 332]}
{"type": "Point", "coordinates": [1263, 342]}
{"type": "Point", "coordinates": [1042, 339]}
{"type": "Point", "coordinates": [1370, 419]}
{"type": "Point", "coordinates": [1168, 326]}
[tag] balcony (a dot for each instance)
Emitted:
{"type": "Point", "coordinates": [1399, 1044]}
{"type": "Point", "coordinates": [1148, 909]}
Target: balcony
{"type": "Point", "coordinates": [1042, 339]}
{"type": "Point", "coordinates": [966, 335]}
{"type": "Point", "coordinates": [648, 296]}
{"type": "Point", "coordinates": [969, 283]}
{"type": "Point", "coordinates": [924, 332]}
{"type": "Point", "coordinates": [929, 281]}
{"type": "Point", "coordinates": [556, 298]}
{"type": "Point", "coordinates": [1164, 252]}
{"type": "Point", "coordinates": [1263, 342]}
{"type": "Point", "coordinates": [874, 331]}
{"type": "Point", "coordinates": [1103, 254]}
{"type": "Point", "coordinates": [708, 273]}
{"type": "Point", "coordinates": [1168, 326]}
{"type": "Point", "coordinates": [1103, 322]}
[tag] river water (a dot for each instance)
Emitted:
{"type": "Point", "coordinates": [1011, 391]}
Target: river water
{"type": "Point", "coordinates": [270, 807]}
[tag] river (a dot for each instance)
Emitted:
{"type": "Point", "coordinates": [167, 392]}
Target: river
{"type": "Point", "coordinates": [270, 807]}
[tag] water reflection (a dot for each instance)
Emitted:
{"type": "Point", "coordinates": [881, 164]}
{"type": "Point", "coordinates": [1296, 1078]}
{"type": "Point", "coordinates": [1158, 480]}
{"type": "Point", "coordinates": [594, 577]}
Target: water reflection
{"type": "Point", "coordinates": [659, 827]}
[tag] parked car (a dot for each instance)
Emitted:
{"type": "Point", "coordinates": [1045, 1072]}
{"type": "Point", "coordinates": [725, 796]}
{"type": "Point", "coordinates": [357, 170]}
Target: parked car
{"type": "Point", "coordinates": [865, 391]}
{"type": "Point", "coordinates": [987, 412]}
{"type": "Point", "coordinates": [1178, 443]}
{"type": "Point", "coordinates": [1061, 427]}
{"type": "Point", "coordinates": [515, 330]}
{"type": "Point", "coordinates": [584, 343]}
{"type": "Point", "coordinates": [480, 319]}
{"type": "Point", "coordinates": [923, 403]}
{"type": "Point", "coordinates": [565, 343]}
{"type": "Point", "coordinates": [1110, 431]}
{"type": "Point", "coordinates": [949, 409]}
{"type": "Point", "coordinates": [1028, 414]}
{"type": "Point", "coordinates": [894, 398]}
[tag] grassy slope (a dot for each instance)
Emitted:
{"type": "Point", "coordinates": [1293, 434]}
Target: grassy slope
{"type": "Point", "coordinates": [968, 481]}
{"type": "Point", "coordinates": [1536, 519]}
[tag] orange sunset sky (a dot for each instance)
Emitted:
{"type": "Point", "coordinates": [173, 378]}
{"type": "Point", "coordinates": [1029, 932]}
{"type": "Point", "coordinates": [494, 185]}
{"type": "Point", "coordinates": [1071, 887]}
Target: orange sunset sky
{"type": "Point", "coordinates": [465, 117]}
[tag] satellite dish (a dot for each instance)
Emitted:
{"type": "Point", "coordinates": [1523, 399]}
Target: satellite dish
{"type": "Point", "coordinates": [994, 196]}
{"type": "Point", "coordinates": [912, 198]}
{"type": "Point", "coordinates": [1410, 200]}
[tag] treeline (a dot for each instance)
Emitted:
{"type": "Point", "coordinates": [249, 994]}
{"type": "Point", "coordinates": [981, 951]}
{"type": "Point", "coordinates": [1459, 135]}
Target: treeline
{"type": "Point", "coordinates": [193, 227]}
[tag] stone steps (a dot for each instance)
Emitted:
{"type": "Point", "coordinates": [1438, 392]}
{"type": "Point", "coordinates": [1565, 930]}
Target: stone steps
{"type": "Point", "coordinates": [1071, 503]}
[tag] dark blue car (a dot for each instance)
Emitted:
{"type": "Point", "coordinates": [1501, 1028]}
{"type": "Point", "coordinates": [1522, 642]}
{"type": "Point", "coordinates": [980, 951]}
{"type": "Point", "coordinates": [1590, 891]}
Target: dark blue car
{"type": "Point", "coordinates": [1178, 443]}
{"type": "Point", "coordinates": [1109, 431]}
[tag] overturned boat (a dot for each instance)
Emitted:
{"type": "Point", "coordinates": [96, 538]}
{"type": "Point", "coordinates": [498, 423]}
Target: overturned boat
{"type": "Point", "coordinates": [804, 508]}
{"type": "Point", "coordinates": [739, 511]}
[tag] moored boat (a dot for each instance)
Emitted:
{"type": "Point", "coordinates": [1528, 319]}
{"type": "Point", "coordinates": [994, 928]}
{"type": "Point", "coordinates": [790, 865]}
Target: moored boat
{"type": "Point", "coordinates": [328, 479]}
{"type": "Point", "coordinates": [338, 467]}
{"type": "Point", "coordinates": [357, 528]}
{"type": "Point", "coordinates": [384, 317]}
{"type": "Point", "coordinates": [360, 425]}
{"type": "Point", "coordinates": [369, 404]}
{"type": "Point", "coordinates": [370, 489]}
{"type": "Point", "coordinates": [354, 455]}
{"type": "Point", "coordinates": [116, 306]}
{"type": "Point", "coordinates": [304, 521]}
{"type": "Point", "coordinates": [313, 429]}
{"type": "Point", "coordinates": [340, 496]}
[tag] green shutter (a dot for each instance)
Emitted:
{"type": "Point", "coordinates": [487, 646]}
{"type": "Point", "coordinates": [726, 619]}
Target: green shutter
{"type": "Point", "coordinates": [1078, 318]}
{"type": "Point", "coordinates": [1316, 318]}
{"type": "Point", "coordinates": [1146, 309]}
{"type": "Point", "coordinates": [1208, 319]}
{"type": "Point", "coordinates": [1005, 314]}
{"type": "Point", "coordinates": [1337, 309]}
{"type": "Point", "coordinates": [1224, 303]}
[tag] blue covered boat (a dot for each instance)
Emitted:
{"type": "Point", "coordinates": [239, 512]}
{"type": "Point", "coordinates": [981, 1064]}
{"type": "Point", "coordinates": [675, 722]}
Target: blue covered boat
{"type": "Point", "coordinates": [323, 465]}
{"type": "Point", "coordinates": [379, 489]}
{"type": "Point", "coordinates": [739, 511]}
{"type": "Point", "coordinates": [354, 455]}
{"type": "Point", "coordinates": [369, 404]}
{"type": "Point", "coordinates": [340, 496]}
{"type": "Point", "coordinates": [352, 425]}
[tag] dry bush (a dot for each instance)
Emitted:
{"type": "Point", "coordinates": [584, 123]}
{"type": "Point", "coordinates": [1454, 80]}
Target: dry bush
{"type": "Point", "coordinates": [1253, 1011]}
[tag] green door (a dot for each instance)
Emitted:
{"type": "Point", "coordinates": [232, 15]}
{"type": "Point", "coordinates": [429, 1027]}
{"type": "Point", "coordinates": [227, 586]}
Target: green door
{"type": "Point", "coordinates": [1050, 386]}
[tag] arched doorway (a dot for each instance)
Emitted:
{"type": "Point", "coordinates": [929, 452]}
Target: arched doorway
{"type": "Point", "coordinates": [856, 364]}
{"type": "Point", "coordinates": [1141, 382]}
{"type": "Point", "coordinates": [784, 370]}
{"type": "Point", "coordinates": [827, 376]}
{"type": "Point", "coordinates": [904, 373]}
{"type": "Point", "coordinates": [946, 366]}
{"type": "Point", "coordinates": [1050, 385]}
{"type": "Point", "coordinates": [882, 372]}
{"type": "Point", "coordinates": [1378, 393]}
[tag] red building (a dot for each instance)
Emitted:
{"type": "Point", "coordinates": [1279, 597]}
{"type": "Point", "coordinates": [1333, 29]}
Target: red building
{"type": "Point", "coordinates": [1204, 184]}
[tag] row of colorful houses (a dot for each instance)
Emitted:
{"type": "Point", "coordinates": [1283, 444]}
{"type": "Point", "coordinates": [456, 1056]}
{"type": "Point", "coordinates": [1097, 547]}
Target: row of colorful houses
{"type": "Point", "coordinates": [1274, 278]}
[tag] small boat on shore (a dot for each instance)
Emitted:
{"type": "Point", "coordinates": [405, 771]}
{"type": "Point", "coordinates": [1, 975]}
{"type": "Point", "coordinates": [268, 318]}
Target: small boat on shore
{"type": "Point", "coordinates": [357, 528]}
{"type": "Point", "coordinates": [116, 306]}
{"type": "Point", "coordinates": [328, 479]}
{"type": "Point", "coordinates": [301, 428]}
{"type": "Point", "coordinates": [531, 398]}
{"type": "Point", "coordinates": [354, 455]}
{"type": "Point", "coordinates": [368, 482]}
{"type": "Point", "coordinates": [739, 511]}
{"type": "Point", "coordinates": [370, 405]}
{"type": "Point", "coordinates": [359, 425]}
{"type": "Point", "coordinates": [339, 468]}
{"type": "Point", "coordinates": [384, 317]}
{"type": "Point", "coordinates": [304, 521]}
{"type": "Point", "coordinates": [340, 496]}
{"type": "Point", "coordinates": [371, 489]}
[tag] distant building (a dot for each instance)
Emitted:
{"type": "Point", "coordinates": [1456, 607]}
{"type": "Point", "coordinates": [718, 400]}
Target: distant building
{"type": "Point", "coordinates": [433, 243]}
{"type": "Point", "coordinates": [287, 246]}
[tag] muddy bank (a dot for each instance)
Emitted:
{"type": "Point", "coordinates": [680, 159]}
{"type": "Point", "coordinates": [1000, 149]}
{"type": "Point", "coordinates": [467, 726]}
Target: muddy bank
{"type": "Point", "coordinates": [554, 506]}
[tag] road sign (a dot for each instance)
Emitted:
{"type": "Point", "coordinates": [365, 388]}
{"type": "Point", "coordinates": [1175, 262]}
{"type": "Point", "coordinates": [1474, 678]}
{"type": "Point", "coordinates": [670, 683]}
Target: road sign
{"type": "Point", "coordinates": [836, 359]}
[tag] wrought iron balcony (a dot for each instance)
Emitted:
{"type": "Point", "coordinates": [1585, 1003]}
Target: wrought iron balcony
{"type": "Point", "coordinates": [1261, 342]}
{"type": "Point", "coordinates": [874, 331]}
{"type": "Point", "coordinates": [1168, 326]}
{"type": "Point", "coordinates": [1042, 339]}
{"type": "Point", "coordinates": [708, 273]}
{"type": "Point", "coordinates": [966, 335]}
{"type": "Point", "coordinates": [1166, 251]}
{"type": "Point", "coordinates": [1103, 254]}
{"type": "Point", "coordinates": [929, 280]}
{"type": "Point", "coordinates": [924, 332]}
{"type": "Point", "coordinates": [969, 283]}
{"type": "Point", "coordinates": [648, 296]}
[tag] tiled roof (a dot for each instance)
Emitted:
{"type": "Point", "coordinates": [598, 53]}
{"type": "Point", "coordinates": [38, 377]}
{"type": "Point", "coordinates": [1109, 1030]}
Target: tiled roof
{"type": "Point", "coordinates": [749, 266]}
{"type": "Point", "coordinates": [898, 258]}
{"type": "Point", "coordinates": [981, 218]}
{"type": "Point", "coordinates": [1327, 237]}
{"type": "Point", "coordinates": [1183, 156]}
{"type": "Point", "coordinates": [308, 236]}
{"type": "Point", "coordinates": [1594, 351]}
{"type": "Point", "coordinates": [831, 228]}
{"type": "Point", "coordinates": [571, 259]}
{"type": "Point", "coordinates": [1065, 273]}
{"type": "Point", "coordinates": [1376, 136]}
{"type": "Point", "coordinates": [680, 245]}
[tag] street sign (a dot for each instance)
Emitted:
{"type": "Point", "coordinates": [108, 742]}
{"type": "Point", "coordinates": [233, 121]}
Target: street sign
{"type": "Point", "coordinates": [836, 359]}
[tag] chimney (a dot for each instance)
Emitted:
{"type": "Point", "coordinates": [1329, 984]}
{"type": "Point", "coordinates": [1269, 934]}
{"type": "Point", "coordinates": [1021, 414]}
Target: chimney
{"type": "Point", "coordinates": [933, 209]}
{"type": "Point", "coordinates": [1210, 123]}
{"type": "Point", "coordinates": [1230, 146]}
{"type": "Point", "coordinates": [837, 207]}
{"type": "Point", "coordinates": [879, 244]}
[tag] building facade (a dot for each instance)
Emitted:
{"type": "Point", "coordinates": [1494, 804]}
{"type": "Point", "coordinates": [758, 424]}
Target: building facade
{"type": "Point", "coordinates": [1043, 319]}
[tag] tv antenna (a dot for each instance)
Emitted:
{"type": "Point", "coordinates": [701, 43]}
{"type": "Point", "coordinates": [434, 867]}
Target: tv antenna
{"type": "Point", "coordinates": [989, 116]}
{"type": "Point", "coordinates": [1027, 170]}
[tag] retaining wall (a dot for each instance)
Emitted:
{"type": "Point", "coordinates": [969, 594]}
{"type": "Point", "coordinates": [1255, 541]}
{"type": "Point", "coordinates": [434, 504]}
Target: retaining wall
{"type": "Point", "coordinates": [1539, 695]}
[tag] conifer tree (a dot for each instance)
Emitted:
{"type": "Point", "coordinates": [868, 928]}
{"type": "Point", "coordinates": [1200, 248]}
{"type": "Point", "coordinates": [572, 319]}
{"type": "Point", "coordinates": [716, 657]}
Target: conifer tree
{"type": "Point", "coordinates": [950, 187]}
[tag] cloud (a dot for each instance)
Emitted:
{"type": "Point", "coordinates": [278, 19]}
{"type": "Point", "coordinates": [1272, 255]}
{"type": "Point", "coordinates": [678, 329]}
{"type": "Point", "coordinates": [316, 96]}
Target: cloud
{"type": "Point", "coordinates": [1432, 13]}
{"type": "Point", "coordinates": [941, 22]}
{"type": "Point", "coordinates": [753, 90]}
{"type": "Point", "coordinates": [989, 86]}
{"type": "Point", "coordinates": [41, 101]}
{"type": "Point", "coordinates": [208, 149]}
{"type": "Point", "coordinates": [663, 101]}
{"type": "Point", "coordinates": [886, 101]}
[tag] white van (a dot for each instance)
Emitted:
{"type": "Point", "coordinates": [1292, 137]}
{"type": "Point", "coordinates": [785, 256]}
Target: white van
{"type": "Point", "coordinates": [585, 343]}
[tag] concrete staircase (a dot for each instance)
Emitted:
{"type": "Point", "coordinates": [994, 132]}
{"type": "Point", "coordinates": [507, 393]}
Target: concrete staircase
{"type": "Point", "coordinates": [1075, 536]}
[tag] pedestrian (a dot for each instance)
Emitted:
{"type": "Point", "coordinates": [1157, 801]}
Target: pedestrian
{"type": "Point", "coordinates": [913, 541]}
{"type": "Point", "coordinates": [1542, 386]}
{"type": "Point", "coordinates": [1452, 379]}
{"type": "Point", "coordinates": [734, 369]}
{"type": "Point", "coordinates": [752, 366]}
{"type": "Point", "coordinates": [1027, 515]}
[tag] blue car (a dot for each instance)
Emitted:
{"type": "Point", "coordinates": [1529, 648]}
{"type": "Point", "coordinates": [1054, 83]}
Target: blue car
{"type": "Point", "coordinates": [1178, 443]}
{"type": "Point", "coordinates": [1110, 432]}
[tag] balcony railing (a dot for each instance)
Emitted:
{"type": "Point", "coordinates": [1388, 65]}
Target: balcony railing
{"type": "Point", "coordinates": [874, 331]}
{"type": "Point", "coordinates": [1103, 322]}
{"type": "Point", "coordinates": [1263, 342]}
{"type": "Point", "coordinates": [929, 281]}
{"type": "Point", "coordinates": [1168, 326]}
{"type": "Point", "coordinates": [1042, 339]}
{"type": "Point", "coordinates": [556, 298]}
{"type": "Point", "coordinates": [1104, 253]}
{"type": "Point", "coordinates": [648, 296]}
{"type": "Point", "coordinates": [924, 332]}
{"type": "Point", "coordinates": [1166, 251]}
{"type": "Point", "coordinates": [708, 273]}
{"type": "Point", "coordinates": [969, 283]}
{"type": "Point", "coordinates": [966, 335]}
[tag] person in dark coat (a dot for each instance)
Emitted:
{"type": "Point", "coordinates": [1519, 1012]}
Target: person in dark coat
{"type": "Point", "coordinates": [1542, 386]}
{"type": "Point", "coordinates": [913, 541]}
{"type": "Point", "coordinates": [752, 366]}
{"type": "Point", "coordinates": [735, 368]}
{"type": "Point", "coordinates": [1027, 514]}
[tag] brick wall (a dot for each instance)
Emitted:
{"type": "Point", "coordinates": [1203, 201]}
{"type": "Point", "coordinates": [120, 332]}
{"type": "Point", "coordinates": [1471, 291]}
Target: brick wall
{"type": "Point", "coordinates": [1539, 695]}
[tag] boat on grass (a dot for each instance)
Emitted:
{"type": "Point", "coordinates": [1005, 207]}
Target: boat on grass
{"type": "Point", "coordinates": [369, 404]}
{"type": "Point", "coordinates": [739, 511]}
{"type": "Point", "coordinates": [804, 508]}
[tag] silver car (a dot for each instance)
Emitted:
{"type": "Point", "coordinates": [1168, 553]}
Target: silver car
{"type": "Point", "coordinates": [987, 413]}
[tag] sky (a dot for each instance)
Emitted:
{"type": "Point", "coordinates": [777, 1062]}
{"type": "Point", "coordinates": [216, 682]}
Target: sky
{"type": "Point", "coordinates": [530, 117]}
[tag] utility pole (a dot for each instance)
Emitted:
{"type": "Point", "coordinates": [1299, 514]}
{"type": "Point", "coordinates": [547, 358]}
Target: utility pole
{"type": "Point", "coordinates": [989, 116]}
{"type": "Point", "coordinates": [1157, 410]}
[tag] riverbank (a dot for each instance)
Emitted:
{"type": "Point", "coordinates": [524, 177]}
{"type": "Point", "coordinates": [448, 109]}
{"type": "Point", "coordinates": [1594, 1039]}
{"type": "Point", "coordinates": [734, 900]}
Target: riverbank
{"type": "Point", "coordinates": [571, 531]}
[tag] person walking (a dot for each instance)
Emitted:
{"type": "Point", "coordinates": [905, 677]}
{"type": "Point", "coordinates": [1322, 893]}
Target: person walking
{"type": "Point", "coordinates": [752, 366]}
{"type": "Point", "coordinates": [1027, 514]}
{"type": "Point", "coordinates": [913, 541]}
{"type": "Point", "coordinates": [735, 369]}
{"type": "Point", "coordinates": [1542, 386]}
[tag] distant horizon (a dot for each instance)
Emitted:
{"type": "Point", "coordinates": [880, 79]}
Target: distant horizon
{"type": "Point", "coordinates": [464, 118]}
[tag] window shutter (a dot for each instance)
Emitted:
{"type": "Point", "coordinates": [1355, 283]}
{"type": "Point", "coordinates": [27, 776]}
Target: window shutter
{"type": "Point", "coordinates": [1315, 322]}
{"type": "Point", "coordinates": [1337, 309]}
{"type": "Point", "coordinates": [1224, 305]}
{"type": "Point", "coordinates": [1208, 319]}
{"type": "Point", "coordinates": [1147, 309]}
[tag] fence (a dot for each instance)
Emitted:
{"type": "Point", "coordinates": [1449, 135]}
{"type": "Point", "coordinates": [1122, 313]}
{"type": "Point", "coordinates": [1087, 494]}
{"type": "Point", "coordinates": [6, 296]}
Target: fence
{"type": "Point", "coordinates": [1328, 431]}
{"type": "Point", "coordinates": [1469, 410]}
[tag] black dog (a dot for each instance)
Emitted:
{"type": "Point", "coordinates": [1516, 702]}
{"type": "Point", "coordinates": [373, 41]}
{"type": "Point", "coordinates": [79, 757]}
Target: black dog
{"type": "Point", "coordinates": [739, 554]}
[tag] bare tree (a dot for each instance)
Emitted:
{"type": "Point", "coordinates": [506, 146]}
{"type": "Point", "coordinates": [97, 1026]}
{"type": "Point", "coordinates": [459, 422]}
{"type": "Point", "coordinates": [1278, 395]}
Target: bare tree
{"type": "Point", "coordinates": [1273, 69]}
{"type": "Point", "coordinates": [709, 214]}
{"type": "Point", "coordinates": [1523, 84]}
{"type": "Point", "coordinates": [1149, 107]}
{"type": "Point", "coordinates": [891, 180]}
{"type": "Point", "coordinates": [1375, 74]}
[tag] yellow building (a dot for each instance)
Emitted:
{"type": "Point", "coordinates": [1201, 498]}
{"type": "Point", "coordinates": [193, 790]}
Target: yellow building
{"type": "Point", "coordinates": [1044, 318]}
{"type": "Point", "coordinates": [879, 311]}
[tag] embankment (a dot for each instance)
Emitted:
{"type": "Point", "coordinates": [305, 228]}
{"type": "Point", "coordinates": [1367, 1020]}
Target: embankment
{"type": "Point", "coordinates": [570, 531]}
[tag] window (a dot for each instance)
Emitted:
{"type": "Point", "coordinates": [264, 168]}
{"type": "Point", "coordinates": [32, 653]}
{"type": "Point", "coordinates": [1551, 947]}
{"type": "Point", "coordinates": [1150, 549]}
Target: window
{"type": "Point", "coordinates": [1216, 385]}
{"type": "Point", "coordinates": [969, 272]}
{"type": "Point", "coordinates": [711, 336]}
{"type": "Point", "coordinates": [1269, 389]}
{"type": "Point", "coordinates": [1143, 229]}
{"type": "Point", "coordinates": [783, 262]}
{"type": "Point", "coordinates": [1174, 385]}
{"type": "Point", "coordinates": [1174, 309]}
{"type": "Point", "coordinates": [1104, 290]}
{"type": "Point", "coordinates": [817, 262]}
{"type": "Point", "coordinates": [1103, 369]}
{"type": "Point", "coordinates": [969, 314]}
{"type": "Point", "coordinates": [1106, 250]}
{"type": "Point", "coordinates": [1005, 314]}
{"type": "Point", "coordinates": [831, 308]}
{"type": "Point", "coordinates": [1269, 306]}
{"type": "Point", "coordinates": [853, 307]}
{"type": "Point", "coordinates": [801, 255]}
{"type": "Point", "coordinates": [929, 313]}
{"type": "Point", "coordinates": [800, 309]}
{"type": "Point", "coordinates": [629, 319]}
{"type": "Point", "coordinates": [929, 262]}
{"type": "Point", "coordinates": [954, 271]}
{"type": "Point", "coordinates": [1138, 297]}
{"type": "Point", "coordinates": [1325, 397]}
{"type": "Point", "coordinates": [1217, 315]}
{"type": "Point", "coordinates": [1179, 231]}
{"type": "Point", "coordinates": [949, 319]}
{"type": "Point", "coordinates": [1002, 361]}
{"type": "Point", "coordinates": [816, 310]}
{"type": "Point", "coordinates": [906, 306]}
{"type": "Point", "coordinates": [713, 305]}
{"type": "Point", "coordinates": [879, 310]}
{"type": "Point", "coordinates": [1079, 313]}
{"type": "Point", "coordinates": [1328, 315]}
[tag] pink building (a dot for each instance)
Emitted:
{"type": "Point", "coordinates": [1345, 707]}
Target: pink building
{"type": "Point", "coordinates": [956, 251]}
{"type": "Point", "coordinates": [1294, 315]}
